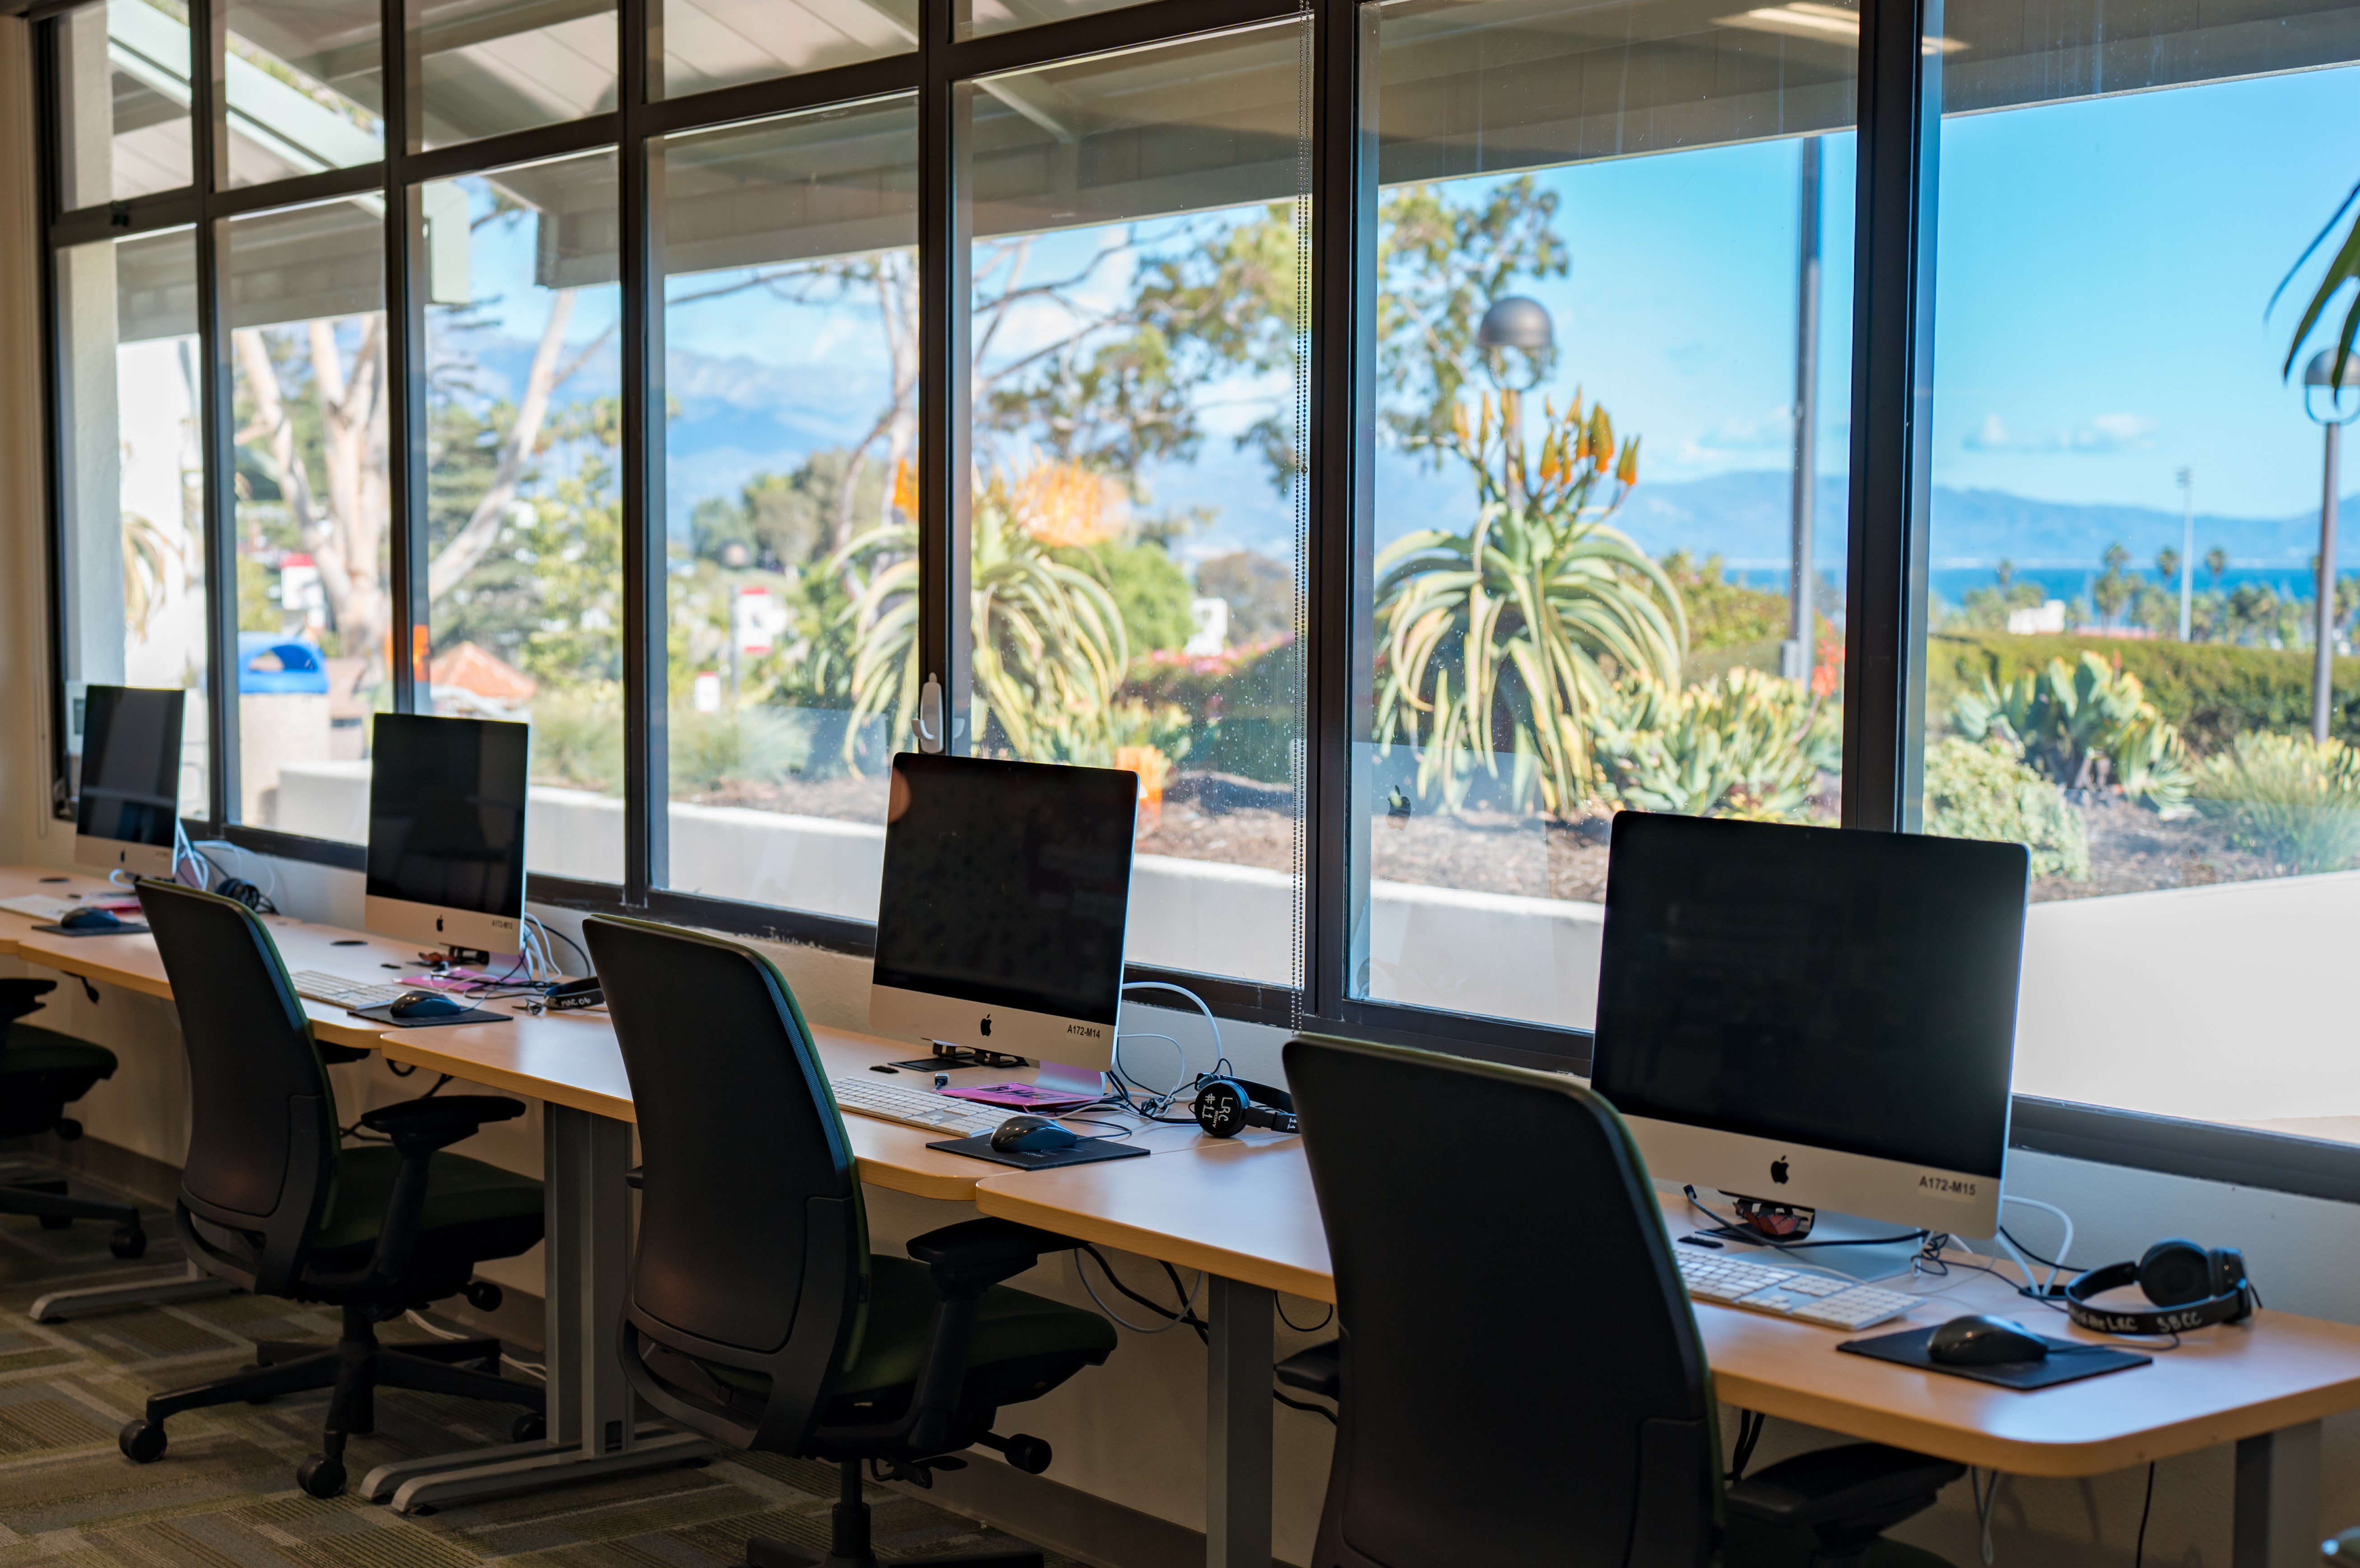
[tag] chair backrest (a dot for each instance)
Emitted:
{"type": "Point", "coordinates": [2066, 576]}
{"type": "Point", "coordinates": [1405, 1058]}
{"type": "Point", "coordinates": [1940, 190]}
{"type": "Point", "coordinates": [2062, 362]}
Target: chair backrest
{"type": "Point", "coordinates": [1522, 1377]}
{"type": "Point", "coordinates": [752, 1242]}
{"type": "Point", "coordinates": [262, 1120]}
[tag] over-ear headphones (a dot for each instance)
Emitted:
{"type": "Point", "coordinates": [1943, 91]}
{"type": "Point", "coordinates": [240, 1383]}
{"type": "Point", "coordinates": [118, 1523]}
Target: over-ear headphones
{"type": "Point", "coordinates": [2191, 1286]}
{"type": "Point", "coordinates": [1227, 1106]}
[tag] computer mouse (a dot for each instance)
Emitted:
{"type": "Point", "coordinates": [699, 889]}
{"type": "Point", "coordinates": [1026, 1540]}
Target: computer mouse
{"type": "Point", "coordinates": [1030, 1135]}
{"type": "Point", "coordinates": [425, 1005]}
{"type": "Point", "coordinates": [90, 921]}
{"type": "Point", "coordinates": [1982, 1341]}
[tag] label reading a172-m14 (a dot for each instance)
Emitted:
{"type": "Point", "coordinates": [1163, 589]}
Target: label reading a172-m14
{"type": "Point", "coordinates": [1938, 1186]}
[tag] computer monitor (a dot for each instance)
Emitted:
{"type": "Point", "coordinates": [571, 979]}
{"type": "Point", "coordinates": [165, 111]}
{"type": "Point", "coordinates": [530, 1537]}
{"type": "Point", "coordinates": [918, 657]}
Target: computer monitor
{"type": "Point", "coordinates": [130, 803]}
{"type": "Point", "coordinates": [446, 831]}
{"type": "Point", "coordinates": [999, 925]}
{"type": "Point", "coordinates": [1812, 1017]}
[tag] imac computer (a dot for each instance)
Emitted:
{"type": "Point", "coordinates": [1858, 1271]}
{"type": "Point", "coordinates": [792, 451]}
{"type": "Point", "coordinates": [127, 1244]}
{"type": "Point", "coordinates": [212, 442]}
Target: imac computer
{"type": "Point", "coordinates": [999, 924]}
{"type": "Point", "coordinates": [446, 833]}
{"type": "Point", "coordinates": [130, 807]}
{"type": "Point", "coordinates": [1815, 1019]}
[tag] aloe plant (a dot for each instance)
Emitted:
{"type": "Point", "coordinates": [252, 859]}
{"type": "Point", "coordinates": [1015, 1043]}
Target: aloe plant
{"type": "Point", "coordinates": [2062, 720]}
{"type": "Point", "coordinates": [1504, 638]}
{"type": "Point", "coordinates": [1742, 745]}
{"type": "Point", "coordinates": [2288, 797]}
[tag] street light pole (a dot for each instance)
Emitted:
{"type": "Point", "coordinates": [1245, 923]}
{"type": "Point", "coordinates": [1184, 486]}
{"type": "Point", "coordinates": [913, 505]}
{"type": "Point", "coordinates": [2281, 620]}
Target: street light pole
{"type": "Point", "coordinates": [2321, 373]}
{"type": "Point", "coordinates": [1522, 323]}
{"type": "Point", "coordinates": [1801, 580]}
{"type": "Point", "coordinates": [2187, 546]}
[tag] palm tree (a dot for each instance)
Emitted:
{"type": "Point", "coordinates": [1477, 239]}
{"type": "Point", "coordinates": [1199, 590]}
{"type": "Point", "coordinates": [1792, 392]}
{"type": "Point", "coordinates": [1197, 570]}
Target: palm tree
{"type": "Point", "coordinates": [1500, 638]}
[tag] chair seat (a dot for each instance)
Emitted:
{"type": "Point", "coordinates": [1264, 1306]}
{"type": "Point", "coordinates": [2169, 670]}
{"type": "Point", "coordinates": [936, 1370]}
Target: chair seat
{"type": "Point", "coordinates": [464, 1198]}
{"type": "Point", "coordinates": [29, 1049]}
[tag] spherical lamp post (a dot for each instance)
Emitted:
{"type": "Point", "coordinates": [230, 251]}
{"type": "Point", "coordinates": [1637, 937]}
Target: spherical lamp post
{"type": "Point", "coordinates": [2324, 397]}
{"type": "Point", "coordinates": [1517, 322]}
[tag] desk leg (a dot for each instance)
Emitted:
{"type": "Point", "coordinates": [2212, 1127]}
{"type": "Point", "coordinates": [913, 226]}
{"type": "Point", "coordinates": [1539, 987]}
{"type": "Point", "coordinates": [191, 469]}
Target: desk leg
{"type": "Point", "coordinates": [1238, 1445]}
{"type": "Point", "coordinates": [191, 1284]}
{"type": "Point", "coordinates": [2277, 1511]}
{"type": "Point", "coordinates": [588, 1253]}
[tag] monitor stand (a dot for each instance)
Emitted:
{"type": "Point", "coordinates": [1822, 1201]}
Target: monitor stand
{"type": "Point", "coordinates": [1062, 1078]}
{"type": "Point", "coordinates": [1862, 1262]}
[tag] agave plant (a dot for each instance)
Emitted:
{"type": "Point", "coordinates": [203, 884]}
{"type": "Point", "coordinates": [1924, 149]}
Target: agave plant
{"type": "Point", "coordinates": [1506, 637]}
{"type": "Point", "coordinates": [1049, 645]}
{"type": "Point", "coordinates": [1742, 745]}
{"type": "Point", "coordinates": [2288, 797]}
{"type": "Point", "coordinates": [2064, 719]}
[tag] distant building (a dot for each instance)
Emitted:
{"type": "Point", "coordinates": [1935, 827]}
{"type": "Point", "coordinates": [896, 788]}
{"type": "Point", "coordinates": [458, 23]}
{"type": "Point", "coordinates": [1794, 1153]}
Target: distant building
{"type": "Point", "coordinates": [2048, 617]}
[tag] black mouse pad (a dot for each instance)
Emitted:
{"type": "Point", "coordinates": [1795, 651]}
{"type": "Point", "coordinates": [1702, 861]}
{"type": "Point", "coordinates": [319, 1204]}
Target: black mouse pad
{"type": "Point", "coordinates": [1083, 1153]}
{"type": "Point", "coordinates": [128, 928]}
{"type": "Point", "coordinates": [2067, 1362]}
{"type": "Point", "coordinates": [384, 1015]}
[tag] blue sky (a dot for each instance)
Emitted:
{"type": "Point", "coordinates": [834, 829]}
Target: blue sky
{"type": "Point", "coordinates": [2104, 270]}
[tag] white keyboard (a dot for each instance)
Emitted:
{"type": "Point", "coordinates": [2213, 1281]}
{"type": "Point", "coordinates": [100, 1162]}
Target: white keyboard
{"type": "Point", "coordinates": [871, 1097]}
{"type": "Point", "coordinates": [319, 985]}
{"type": "Point", "coordinates": [1789, 1292]}
{"type": "Point", "coordinates": [38, 907]}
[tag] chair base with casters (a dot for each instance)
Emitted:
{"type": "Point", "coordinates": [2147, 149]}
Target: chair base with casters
{"type": "Point", "coordinates": [1830, 1507]}
{"type": "Point", "coordinates": [355, 1367]}
{"type": "Point", "coordinates": [42, 1072]}
{"type": "Point", "coordinates": [848, 1544]}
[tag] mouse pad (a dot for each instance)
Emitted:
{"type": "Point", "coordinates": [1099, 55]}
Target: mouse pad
{"type": "Point", "coordinates": [1083, 1153]}
{"type": "Point", "coordinates": [128, 928]}
{"type": "Point", "coordinates": [384, 1015]}
{"type": "Point", "coordinates": [2067, 1361]}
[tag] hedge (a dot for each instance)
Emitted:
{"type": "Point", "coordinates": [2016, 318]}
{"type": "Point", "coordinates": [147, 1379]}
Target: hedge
{"type": "Point", "coordinates": [2213, 692]}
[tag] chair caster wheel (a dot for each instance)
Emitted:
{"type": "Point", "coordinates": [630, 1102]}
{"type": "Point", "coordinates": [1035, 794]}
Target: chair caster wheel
{"type": "Point", "coordinates": [528, 1427]}
{"type": "Point", "coordinates": [1029, 1455]}
{"type": "Point", "coordinates": [142, 1441]}
{"type": "Point", "coordinates": [57, 1222]}
{"type": "Point", "coordinates": [483, 1295]}
{"type": "Point", "coordinates": [321, 1475]}
{"type": "Point", "coordinates": [128, 1244]}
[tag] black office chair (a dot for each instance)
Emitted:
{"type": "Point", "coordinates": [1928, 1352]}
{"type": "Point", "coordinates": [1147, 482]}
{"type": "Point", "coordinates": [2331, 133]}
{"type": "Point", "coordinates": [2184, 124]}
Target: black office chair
{"type": "Point", "coordinates": [757, 1314]}
{"type": "Point", "coordinates": [42, 1072]}
{"type": "Point", "coordinates": [269, 1202]}
{"type": "Point", "coordinates": [1521, 1379]}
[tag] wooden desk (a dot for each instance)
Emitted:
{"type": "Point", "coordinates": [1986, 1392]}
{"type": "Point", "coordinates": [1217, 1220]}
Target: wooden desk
{"type": "Point", "coordinates": [17, 881]}
{"type": "Point", "coordinates": [1249, 1217]}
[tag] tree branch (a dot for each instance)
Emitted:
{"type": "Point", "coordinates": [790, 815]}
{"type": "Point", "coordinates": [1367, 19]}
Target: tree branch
{"type": "Point", "coordinates": [471, 543]}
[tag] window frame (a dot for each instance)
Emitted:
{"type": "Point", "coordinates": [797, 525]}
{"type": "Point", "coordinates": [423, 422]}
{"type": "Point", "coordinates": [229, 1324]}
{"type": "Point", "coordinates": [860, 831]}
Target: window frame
{"type": "Point", "coordinates": [1888, 593]}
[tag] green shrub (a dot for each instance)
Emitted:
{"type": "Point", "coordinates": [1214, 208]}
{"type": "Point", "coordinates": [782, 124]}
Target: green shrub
{"type": "Point", "coordinates": [1151, 593]}
{"type": "Point", "coordinates": [1240, 705]}
{"type": "Point", "coordinates": [577, 738]}
{"type": "Point", "coordinates": [1977, 791]}
{"type": "Point", "coordinates": [2212, 692]}
{"type": "Point", "coordinates": [2062, 720]}
{"type": "Point", "coordinates": [1740, 745]}
{"type": "Point", "coordinates": [2287, 797]}
{"type": "Point", "coordinates": [747, 745]}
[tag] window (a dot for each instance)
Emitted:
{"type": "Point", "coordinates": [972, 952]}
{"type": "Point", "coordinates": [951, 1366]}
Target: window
{"type": "Point", "coordinates": [484, 67]}
{"type": "Point", "coordinates": [2121, 657]}
{"type": "Point", "coordinates": [979, 17]}
{"type": "Point", "coordinates": [134, 594]}
{"type": "Point", "coordinates": [720, 43]}
{"type": "Point", "coordinates": [310, 511]}
{"type": "Point", "coordinates": [1136, 307]}
{"type": "Point", "coordinates": [791, 328]}
{"type": "Point", "coordinates": [1612, 339]}
{"type": "Point", "coordinates": [301, 87]}
{"type": "Point", "coordinates": [523, 485]}
{"type": "Point", "coordinates": [123, 102]}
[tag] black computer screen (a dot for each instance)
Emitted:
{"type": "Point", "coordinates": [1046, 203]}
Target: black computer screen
{"type": "Point", "coordinates": [1008, 883]}
{"type": "Point", "coordinates": [130, 765]}
{"type": "Point", "coordinates": [1847, 990]}
{"type": "Point", "coordinates": [446, 812]}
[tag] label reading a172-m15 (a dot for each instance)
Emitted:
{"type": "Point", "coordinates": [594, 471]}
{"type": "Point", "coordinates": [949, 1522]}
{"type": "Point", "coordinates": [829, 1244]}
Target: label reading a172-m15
{"type": "Point", "coordinates": [1935, 1186]}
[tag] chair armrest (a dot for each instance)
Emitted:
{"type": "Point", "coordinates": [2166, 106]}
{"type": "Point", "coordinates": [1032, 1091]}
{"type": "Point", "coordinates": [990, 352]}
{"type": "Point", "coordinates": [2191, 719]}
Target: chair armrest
{"type": "Point", "coordinates": [440, 1121]}
{"type": "Point", "coordinates": [337, 1055]}
{"type": "Point", "coordinates": [1318, 1370]}
{"type": "Point", "coordinates": [19, 997]}
{"type": "Point", "coordinates": [1852, 1480]}
{"type": "Point", "coordinates": [973, 1255]}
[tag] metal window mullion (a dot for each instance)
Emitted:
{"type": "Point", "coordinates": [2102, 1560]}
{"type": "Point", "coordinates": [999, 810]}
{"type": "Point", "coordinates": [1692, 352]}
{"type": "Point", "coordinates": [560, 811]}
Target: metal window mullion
{"type": "Point", "coordinates": [216, 415]}
{"type": "Point", "coordinates": [405, 341]}
{"type": "Point", "coordinates": [54, 347]}
{"type": "Point", "coordinates": [946, 433]}
{"type": "Point", "coordinates": [1892, 399]}
{"type": "Point", "coordinates": [646, 678]}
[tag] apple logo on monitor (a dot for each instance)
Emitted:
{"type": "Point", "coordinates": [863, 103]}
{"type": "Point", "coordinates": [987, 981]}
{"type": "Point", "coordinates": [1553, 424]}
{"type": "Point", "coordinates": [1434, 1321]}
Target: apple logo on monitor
{"type": "Point", "coordinates": [987, 1034]}
{"type": "Point", "coordinates": [1778, 1171]}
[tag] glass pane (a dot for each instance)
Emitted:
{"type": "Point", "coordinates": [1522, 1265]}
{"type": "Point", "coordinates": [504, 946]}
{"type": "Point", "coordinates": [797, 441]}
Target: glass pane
{"type": "Point", "coordinates": [791, 346]}
{"type": "Point", "coordinates": [523, 502]}
{"type": "Point", "coordinates": [304, 87]}
{"type": "Point", "coordinates": [1620, 383]}
{"type": "Point", "coordinates": [719, 43]}
{"type": "Point", "coordinates": [123, 100]}
{"type": "Point", "coordinates": [2127, 526]}
{"type": "Point", "coordinates": [131, 488]}
{"type": "Point", "coordinates": [310, 511]}
{"type": "Point", "coordinates": [482, 67]}
{"type": "Point", "coordinates": [978, 16]}
{"type": "Point", "coordinates": [1138, 287]}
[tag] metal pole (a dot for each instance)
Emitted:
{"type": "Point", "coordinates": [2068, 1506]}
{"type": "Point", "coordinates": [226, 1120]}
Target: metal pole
{"type": "Point", "coordinates": [2187, 546]}
{"type": "Point", "coordinates": [2322, 673]}
{"type": "Point", "coordinates": [1801, 579]}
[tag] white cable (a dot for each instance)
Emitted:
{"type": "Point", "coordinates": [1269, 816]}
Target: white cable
{"type": "Point", "coordinates": [1118, 1317]}
{"type": "Point", "coordinates": [1220, 1053]}
{"type": "Point", "coordinates": [1178, 1083]}
{"type": "Point", "coordinates": [533, 1368]}
{"type": "Point", "coordinates": [2064, 1248]}
{"type": "Point", "coordinates": [1984, 1502]}
{"type": "Point", "coordinates": [244, 855]}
